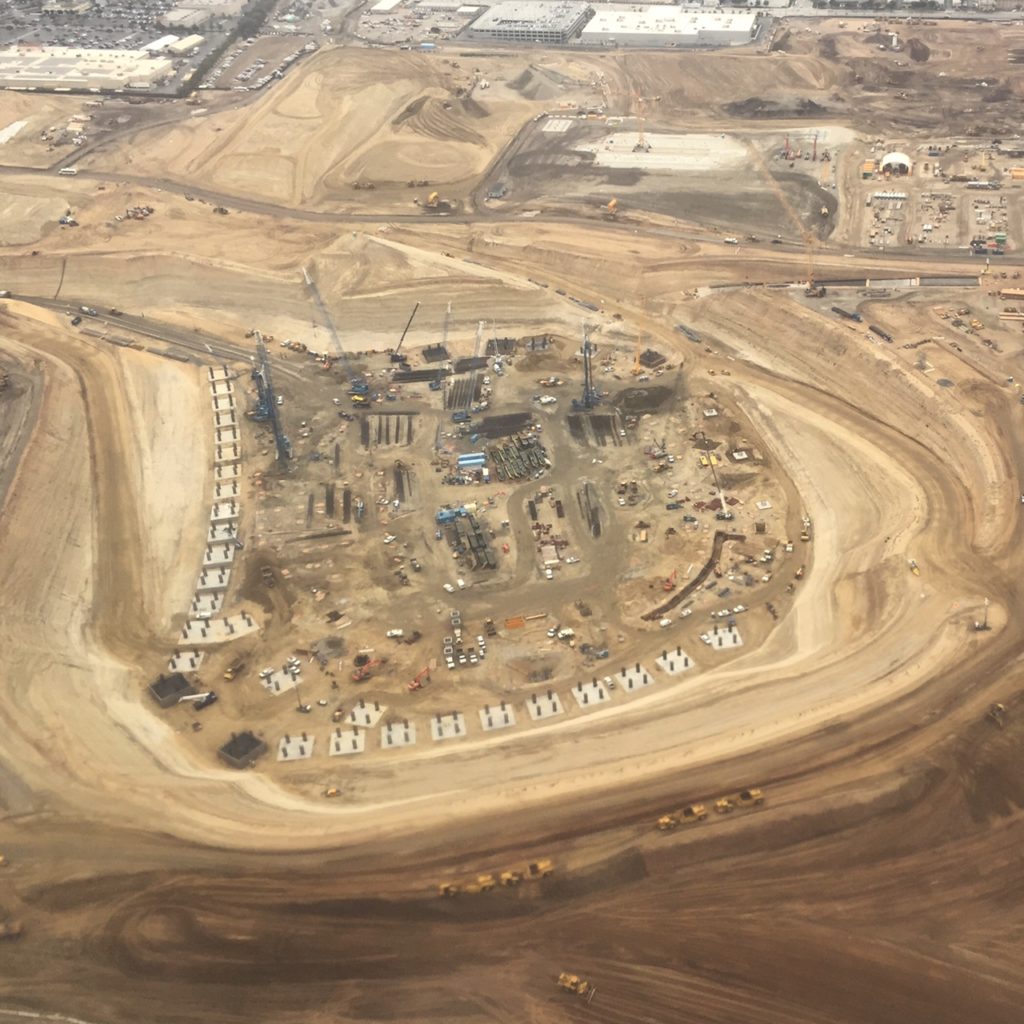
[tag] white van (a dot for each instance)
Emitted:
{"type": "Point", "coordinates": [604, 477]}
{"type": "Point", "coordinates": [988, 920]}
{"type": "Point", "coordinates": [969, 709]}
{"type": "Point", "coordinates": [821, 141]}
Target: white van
{"type": "Point", "coordinates": [68, 172]}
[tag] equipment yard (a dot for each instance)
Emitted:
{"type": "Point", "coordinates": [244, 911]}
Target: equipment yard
{"type": "Point", "coordinates": [517, 535]}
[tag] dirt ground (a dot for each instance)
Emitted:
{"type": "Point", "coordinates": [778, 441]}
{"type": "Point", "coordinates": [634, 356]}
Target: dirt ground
{"type": "Point", "coordinates": [879, 881]}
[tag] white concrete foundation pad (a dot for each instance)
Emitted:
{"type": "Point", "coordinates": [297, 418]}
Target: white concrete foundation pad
{"type": "Point", "coordinates": [280, 681]}
{"type": "Point", "coordinates": [366, 713]}
{"type": "Point", "coordinates": [591, 694]}
{"type": "Point", "coordinates": [296, 748]}
{"type": "Point", "coordinates": [634, 677]}
{"type": "Point", "coordinates": [218, 373]}
{"type": "Point", "coordinates": [674, 661]}
{"type": "Point", "coordinates": [222, 532]}
{"type": "Point", "coordinates": [219, 630]}
{"type": "Point", "coordinates": [218, 554]}
{"type": "Point", "coordinates": [226, 435]}
{"type": "Point", "coordinates": [725, 636]}
{"type": "Point", "coordinates": [224, 510]}
{"type": "Point", "coordinates": [226, 453]}
{"type": "Point", "coordinates": [223, 410]}
{"type": "Point", "coordinates": [213, 579]}
{"type": "Point", "coordinates": [544, 705]}
{"type": "Point", "coordinates": [226, 488]}
{"type": "Point", "coordinates": [398, 734]}
{"type": "Point", "coordinates": [451, 726]}
{"type": "Point", "coordinates": [497, 716]}
{"type": "Point", "coordinates": [556, 125]}
{"type": "Point", "coordinates": [185, 661]}
{"type": "Point", "coordinates": [230, 471]}
{"type": "Point", "coordinates": [207, 601]}
{"type": "Point", "coordinates": [347, 741]}
{"type": "Point", "coordinates": [221, 387]}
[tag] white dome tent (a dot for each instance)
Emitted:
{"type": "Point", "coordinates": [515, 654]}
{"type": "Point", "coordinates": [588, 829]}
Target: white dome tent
{"type": "Point", "coordinates": [895, 163]}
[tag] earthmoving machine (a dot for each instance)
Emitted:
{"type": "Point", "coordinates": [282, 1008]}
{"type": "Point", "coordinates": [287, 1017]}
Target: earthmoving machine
{"type": "Point", "coordinates": [914, 567]}
{"type": "Point", "coordinates": [417, 682]}
{"type": "Point", "coordinates": [996, 714]}
{"type": "Point", "coordinates": [539, 868]}
{"type": "Point", "coordinates": [364, 672]}
{"type": "Point", "coordinates": [724, 805]}
{"type": "Point", "coordinates": [576, 985]}
{"type": "Point", "coordinates": [332, 791]}
{"type": "Point", "coordinates": [510, 879]}
{"type": "Point", "coordinates": [751, 798]}
{"type": "Point", "coordinates": [10, 930]}
{"type": "Point", "coordinates": [667, 822]}
{"type": "Point", "coordinates": [611, 211]}
{"type": "Point", "coordinates": [396, 356]}
{"type": "Point", "coordinates": [694, 812]}
{"type": "Point", "coordinates": [232, 670]}
{"type": "Point", "coordinates": [3, 861]}
{"type": "Point", "coordinates": [432, 201]}
{"type": "Point", "coordinates": [669, 583]}
{"type": "Point", "coordinates": [447, 889]}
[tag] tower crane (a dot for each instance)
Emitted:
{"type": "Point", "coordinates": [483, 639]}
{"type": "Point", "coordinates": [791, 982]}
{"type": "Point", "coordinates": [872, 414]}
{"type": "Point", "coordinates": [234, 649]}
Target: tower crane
{"type": "Point", "coordinates": [808, 237]}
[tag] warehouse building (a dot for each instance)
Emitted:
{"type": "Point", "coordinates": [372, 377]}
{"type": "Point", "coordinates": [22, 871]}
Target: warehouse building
{"type": "Point", "coordinates": [531, 21]}
{"type": "Point", "coordinates": [185, 18]}
{"type": "Point", "coordinates": [628, 25]}
{"type": "Point", "coordinates": [66, 68]}
{"type": "Point", "coordinates": [186, 45]}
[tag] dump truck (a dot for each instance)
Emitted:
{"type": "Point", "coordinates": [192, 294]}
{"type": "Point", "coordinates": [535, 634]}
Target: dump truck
{"type": "Point", "coordinates": [577, 985]}
{"type": "Point", "coordinates": [724, 805]}
{"type": "Point", "coordinates": [10, 930]}
{"type": "Point", "coordinates": [751, 797]}
{"type": "Point", "coordinates": [539, 869]}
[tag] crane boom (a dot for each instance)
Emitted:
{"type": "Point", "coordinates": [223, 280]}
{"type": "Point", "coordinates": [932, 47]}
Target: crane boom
{"type": "Point", "coordinates": [395, 356]}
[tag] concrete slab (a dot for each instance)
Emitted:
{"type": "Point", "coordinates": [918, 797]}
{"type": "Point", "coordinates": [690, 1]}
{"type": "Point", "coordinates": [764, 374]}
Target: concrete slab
{"type": "Point", "coordinates": [228, 471]}
{"type": "Point", "coordinates": [226, 435]}
{"type": "Point", "coordinates": [674, 661]}
{"type": "Point", "coordinates": [296, 748]}
{"type": "Point", "coordinates": [226, 453]}
{"type": "Point", "coordinates": [185, 661]}
{"type": "Point", "coordinates": [210, 601]}
{"type": "Point", "coordinates": [223, 410]}
{"type": "Point", "coordinates": [226, 488]}
{"type": "Point", "coordinates": [723, 637]}
{"type": "Point", "coordinates": [590, 694]}
{"type": "Point", "coordinates": [633, 677]}
{"type": "Point", "coordinates": [346, 741]}
{"type": "Point", "coordinates": [218, 630]}
{"type": "Point", "coordinates": [398, 734]}
{"type": "Point", "coordinates": [280, 681]}
{"type": "Point", "coordinates": [450, 726]}
{"type": "Point", "coordinates": [497, 716]}
{"type": "Point", "coordinates": [544, 705]}
{"type": "Point", "coordinates": [224, 510]}
{"type": "Point", "coordinates": [677, 153]}
{"type": "Point", "coordinates": [366, 713]}
{"type": "Point", "coordinates": [222, 531]}
{"type": "Point", "coordinates": [219, 554]}
{"type": "Point", "coordinates": [222, 387]}
{"type": "Point", "coordinates": [213, 579]}
{"type": "Point", "coordinates": [556, 125]}
{"type": "Point", "coordinates": [218, 373]}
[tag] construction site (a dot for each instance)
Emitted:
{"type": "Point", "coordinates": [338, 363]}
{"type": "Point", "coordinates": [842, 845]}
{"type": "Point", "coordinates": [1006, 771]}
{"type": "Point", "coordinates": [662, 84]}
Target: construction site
{"type": "Point", "coordinates": [518, 534]}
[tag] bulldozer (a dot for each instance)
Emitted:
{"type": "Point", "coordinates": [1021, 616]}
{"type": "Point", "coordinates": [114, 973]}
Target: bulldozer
{"type": "Point", "coordinates": [751, 798]}
{"type": "Point", "coordinates": [667, 822]}
{"type": "Point", "coordinates": [724, 805]}
{"type": "Point", "coordinates": [576, 985]}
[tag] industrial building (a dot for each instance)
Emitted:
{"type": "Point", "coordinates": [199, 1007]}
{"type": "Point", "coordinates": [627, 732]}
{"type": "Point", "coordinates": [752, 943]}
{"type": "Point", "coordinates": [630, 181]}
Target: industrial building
{"type": "Point", "coordinates": [67, 68]}
{"type": "Point", "coordinates": [186, 45]}
{"type": "Point", "coordinates": [184, 17]}
{"type": "Point", "coordinates": [628, 25]}
{"type": "Point", "coordinates": [531, 21]}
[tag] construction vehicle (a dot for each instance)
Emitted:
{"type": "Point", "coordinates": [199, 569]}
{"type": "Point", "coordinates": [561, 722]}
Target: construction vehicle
{"type": "Point", "coordinates": [432, 201]}
{"type": "Point", "coordinates": [751, 798]}
{"type": "Point", "coordinates": [669, 583]}
{"type": "Point", "coordinates": [446, 889]}
{"type": "Point", "coordinates": [332, 791]}
{"type": "Point", "coordinates": [10, 930]}
{"type": "Point", "coordinates": [364, 672]}
{"type": "Point", "coordinates": [232, 670]}
{"type": "Point", "coordinates": [417, 682]}
{"type": "Point", "coordinates": [724, 805]}
{"type": "Point", "coordinates": [611, 211]}
{"type": "Point", "coordinates": [694, 812]}
{"type": "Point", "coordinates": [914, 567]}
{"type": "Point", "coordinates": [486, 882]}
{"type": "Point", "coordinates": [511, 878]}
{"type": "Point", "coordinates": [997, 715]}
{"type": "Point", "coordinates": [539, 869]}
{"type": "Point", "coordinates": [576, 985]}
{"type": "Point", "coordinates": [3, 861]}
{"type": "Point", "coordinates": [667, 822]}
{"type": "Point", "coordinates": [591, 395]}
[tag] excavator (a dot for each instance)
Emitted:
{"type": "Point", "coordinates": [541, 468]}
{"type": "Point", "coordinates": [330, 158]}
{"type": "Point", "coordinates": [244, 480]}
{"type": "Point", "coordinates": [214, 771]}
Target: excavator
{"type": "Point", "coordinates": [611, 211]}
{"type": "Point", "coordinates": [669, 583]}
{"type": "Point", "coordinates": [364, 672]}
{"type": "Point", "coordinates": [576, 985]}
{"type": "Point", "coordinates": [417, 682]}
